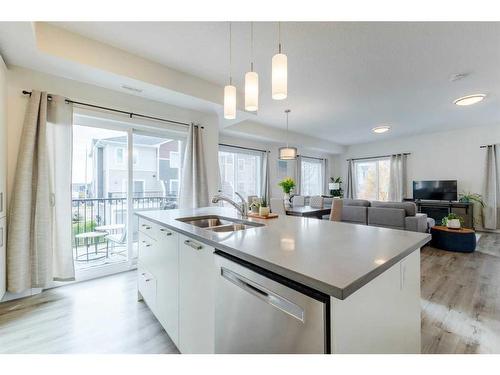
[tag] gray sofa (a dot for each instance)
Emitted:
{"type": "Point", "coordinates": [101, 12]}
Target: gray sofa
{"type": "Point", "coordinates": [396, 215]}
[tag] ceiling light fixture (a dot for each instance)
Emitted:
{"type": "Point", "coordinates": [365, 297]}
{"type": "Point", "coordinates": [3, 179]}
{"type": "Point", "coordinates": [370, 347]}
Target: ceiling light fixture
{"type": "Point", "coordinates": [381, 129]}
{"type": "Point", "coordinates": [230, 90]}
{"type": "Point", "coordinates": [251, 82]}
{"type": "Point", "coordinates": [279, 72]}
{"type": "Point", "coordinates": [287, 153]}
{"type": "Point", "coordinates": [469, 99]}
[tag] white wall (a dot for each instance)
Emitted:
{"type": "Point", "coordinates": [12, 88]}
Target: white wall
{"type": "Point", "coordinates": [453, 155]}
{"type": "Point", "coordinates": [276, 191]}
{"type": "Point", "coordinates": [20, 79]}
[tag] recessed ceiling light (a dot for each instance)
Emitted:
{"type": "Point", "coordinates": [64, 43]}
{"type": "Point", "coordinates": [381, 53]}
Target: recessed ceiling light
{"type": "Point", "coordinates": [381, 129]}
{"type": "Point", "coordinates": [469, 99]}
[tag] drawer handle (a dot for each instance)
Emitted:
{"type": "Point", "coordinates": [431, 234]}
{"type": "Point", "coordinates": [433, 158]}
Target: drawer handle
{"type": "Point", "coordinates": [193, 244]}
{"type": "Point", "coordinates": [167, 233]}
{"type": "Point", "coordinates": [145, 226]}
{"type": "Point", "coordinates": [148, 280]}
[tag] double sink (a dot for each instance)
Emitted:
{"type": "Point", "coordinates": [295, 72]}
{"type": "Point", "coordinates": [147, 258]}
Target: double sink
{"type": "Point", "coordinates": [217, 223]}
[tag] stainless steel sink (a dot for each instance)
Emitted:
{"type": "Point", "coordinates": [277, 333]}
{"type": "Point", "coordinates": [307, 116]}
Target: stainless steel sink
{"type": "Point", "coordinates": [216, 223]}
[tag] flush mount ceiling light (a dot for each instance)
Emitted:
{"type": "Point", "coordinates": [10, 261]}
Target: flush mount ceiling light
{"type": "Point", "coordinates": [287, 153]}
{"type": "Point", "coordinates": [381, 129]}
{"type": "Point", "coordinates": [230, 90]}
{"type": "Point", "coordinates": [279, 72]}
{"type": "Point", "coordinates": [251, 82]}
{"type": "Point", "coordinates": [469, 99]}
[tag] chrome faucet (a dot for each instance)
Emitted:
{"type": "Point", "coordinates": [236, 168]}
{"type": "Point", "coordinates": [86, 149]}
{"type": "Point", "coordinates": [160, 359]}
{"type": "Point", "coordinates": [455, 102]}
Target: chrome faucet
{"type": "Point", "coordinates": [241, 208]}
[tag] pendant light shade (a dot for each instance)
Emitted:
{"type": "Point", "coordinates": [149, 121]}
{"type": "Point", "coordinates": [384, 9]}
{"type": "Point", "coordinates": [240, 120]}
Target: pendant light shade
{"type": "Point", "coordinates": [251, 91]}
{"type": "Point", "coordinates": [251, 82]}
{"type": "Point", "coordinates": [287, 153]}
{"type": "Point", "coordinates": [279, 76]}
{"type": "Point", "coordinates": [229, 102]}
{"type": "Point", "coordinates": [279, 72]}
{"type": "Point", "coordinates": [230, 90]}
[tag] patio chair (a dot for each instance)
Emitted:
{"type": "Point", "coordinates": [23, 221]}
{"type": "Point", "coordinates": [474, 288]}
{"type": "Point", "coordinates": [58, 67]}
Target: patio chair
{"type": "Point", "coordinates": [119, 239]}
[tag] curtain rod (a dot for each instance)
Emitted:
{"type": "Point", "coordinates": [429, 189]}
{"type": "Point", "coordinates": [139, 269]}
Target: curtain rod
{"type": "Point", "coordinates": [378, 157]}
{"type": "Point", "coordinates": [244, 148]}
{"type": "Point", "coordinates": [131, 114]}
{"type": "Point", "coordinates": [311, 157]}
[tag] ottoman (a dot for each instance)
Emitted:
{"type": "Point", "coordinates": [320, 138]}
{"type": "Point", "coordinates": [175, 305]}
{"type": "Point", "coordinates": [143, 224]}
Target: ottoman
{"type": "Point", "coordinates": [460, 240]}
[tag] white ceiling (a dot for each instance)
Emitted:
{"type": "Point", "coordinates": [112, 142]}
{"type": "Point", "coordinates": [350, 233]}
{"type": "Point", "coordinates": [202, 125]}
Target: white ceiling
{"type": "Point", "coordinates": [344, 78]}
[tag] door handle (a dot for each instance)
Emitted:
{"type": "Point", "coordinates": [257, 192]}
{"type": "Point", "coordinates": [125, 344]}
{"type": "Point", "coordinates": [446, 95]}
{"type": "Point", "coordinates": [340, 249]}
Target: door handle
{"type": "Point", "coordinates": [167, 233]}
{"type": "Point", "coordinates": [193, 244]}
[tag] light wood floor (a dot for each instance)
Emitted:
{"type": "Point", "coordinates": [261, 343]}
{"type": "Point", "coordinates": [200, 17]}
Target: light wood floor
{"type": "Point", "coordinates": [98, 316]}
{"type": "Point", "coordinates": [460, 311]}
{"type": "Point", "coordinates": [461, 299]}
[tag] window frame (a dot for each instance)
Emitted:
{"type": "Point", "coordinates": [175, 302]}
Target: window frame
{"type": "Point", "coordinates": [322, 177]}
{"type": "Point", "coordinates": [376, 161]}
{"type": "Point", "coordinates": [236, 163]}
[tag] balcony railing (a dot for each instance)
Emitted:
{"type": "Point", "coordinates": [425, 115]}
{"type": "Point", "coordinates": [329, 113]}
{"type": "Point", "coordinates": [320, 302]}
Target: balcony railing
{"type": "Point", "coordinates": [89, 213]}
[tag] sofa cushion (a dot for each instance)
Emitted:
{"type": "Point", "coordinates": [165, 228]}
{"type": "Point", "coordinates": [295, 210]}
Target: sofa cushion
{"type": "Point", "coordinates": [354, 214]}
{"type": "Point", "coordinates": [386, 217]}
{"type": "Point", "coordinates": [409, 207]}
{"type": "Point", "coordinates": [356, 202]}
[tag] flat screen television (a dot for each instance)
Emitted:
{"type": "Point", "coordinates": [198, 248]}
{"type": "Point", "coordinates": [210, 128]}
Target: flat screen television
{"type": "Point", "coordinates": [437, 190]}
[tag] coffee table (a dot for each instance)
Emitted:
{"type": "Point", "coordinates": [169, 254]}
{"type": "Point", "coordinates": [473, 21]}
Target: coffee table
{"type": "Point", "coordinates": [461, 240]}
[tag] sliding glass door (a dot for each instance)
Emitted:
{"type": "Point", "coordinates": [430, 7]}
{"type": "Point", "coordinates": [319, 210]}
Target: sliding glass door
{"type": "Point", "coordinates": [156, 170]}
{"type": "Point", "coordinates": [99, 197]}
{"type": "Point", "coordinates": [118, 169]}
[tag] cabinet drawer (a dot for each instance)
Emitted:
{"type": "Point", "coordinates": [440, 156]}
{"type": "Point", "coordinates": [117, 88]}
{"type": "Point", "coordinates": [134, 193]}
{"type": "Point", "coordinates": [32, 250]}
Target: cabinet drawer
{"type": "Point", "coordinates": [147, 227]}
{"type": "Point", "coordinates": [147, 287]}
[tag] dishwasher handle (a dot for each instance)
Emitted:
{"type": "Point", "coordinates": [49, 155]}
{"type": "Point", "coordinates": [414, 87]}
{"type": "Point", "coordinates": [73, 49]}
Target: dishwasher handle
{"type": "Point", "coordinates": [264, 294]}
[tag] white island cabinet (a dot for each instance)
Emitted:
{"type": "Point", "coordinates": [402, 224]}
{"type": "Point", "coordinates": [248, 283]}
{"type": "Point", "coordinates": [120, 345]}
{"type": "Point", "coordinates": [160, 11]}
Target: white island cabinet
{"type": "Point", "coordinates": [176, 280]}
{"type": "Point", "coordinates": [368, 280]}
{"type": "Point", "coordinates": [158, 281]}
{"type": "Point", "coordinates": [196, 296]}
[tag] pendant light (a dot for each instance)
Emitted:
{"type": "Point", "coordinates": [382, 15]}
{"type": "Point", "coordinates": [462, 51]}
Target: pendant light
{"type": "Point", "coordinates": [287, 153]}
{"type": "Point", "coordinates": [279, 72]}
{"type": "Point", "coordinates": [230, 90]}
{"type": "Point", "coordinates": [251, 82]}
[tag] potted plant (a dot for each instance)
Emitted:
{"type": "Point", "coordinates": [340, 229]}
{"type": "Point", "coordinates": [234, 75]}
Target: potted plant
{"type": "Point", "coordinates": [452, 221]}
{"type": "Point", "coordinates": [471, 197]}
{"type": "Point", "coordinates": [263, 209]}
{"type": "Point", "coordinates": [335, 187]}
{"type": "Point", "coordinates": [287, 184]}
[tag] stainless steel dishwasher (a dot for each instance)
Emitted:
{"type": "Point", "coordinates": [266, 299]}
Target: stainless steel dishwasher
{"type": "Point", "coordinates": [257, 311]}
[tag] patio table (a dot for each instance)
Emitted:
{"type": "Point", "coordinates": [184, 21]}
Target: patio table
{"type": "Point", "coordinates": [87, 237]}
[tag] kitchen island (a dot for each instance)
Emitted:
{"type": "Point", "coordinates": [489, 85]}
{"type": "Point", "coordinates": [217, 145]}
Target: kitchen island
{"type": "Point", "coordinates": [366, 279]}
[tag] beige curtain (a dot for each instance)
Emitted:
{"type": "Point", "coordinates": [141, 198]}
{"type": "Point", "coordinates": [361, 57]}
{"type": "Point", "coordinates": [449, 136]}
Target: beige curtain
{"type": "Point", "coordinates": [39, 248]}
{"type": "Point", "coordinates": [351, 185]}
{"type": "Point", "coordinates": [298, 176]}
{"type": "Point", "coordinates": [397, 178]}
{"type": "Point", "coordinates": [194, 186]}
{"type": "Point", "coordinates": [491, 211]}
{"type": "Point", "coordinates": [266, 186]}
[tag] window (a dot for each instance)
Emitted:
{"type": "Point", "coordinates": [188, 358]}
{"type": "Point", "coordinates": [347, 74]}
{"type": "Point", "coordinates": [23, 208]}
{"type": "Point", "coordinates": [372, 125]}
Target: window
{"type": "Point", "coordinates": [119, 155]}
{"type": "Point", "coordinates": [372, 179]}
{"type": "Point", "coordinates": [311, 176]}
{"type": "Point", "coordinates": [240, 171]}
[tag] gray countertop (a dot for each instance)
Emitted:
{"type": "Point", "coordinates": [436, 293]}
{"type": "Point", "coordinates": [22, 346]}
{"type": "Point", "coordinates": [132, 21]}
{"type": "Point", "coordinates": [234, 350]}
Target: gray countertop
{"type": "Point", "coordinates": [334, 258]}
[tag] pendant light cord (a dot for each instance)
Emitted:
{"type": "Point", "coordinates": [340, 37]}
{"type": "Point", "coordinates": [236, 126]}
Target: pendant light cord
{"type": "Point", "coordinates": [230, 54]}
{"type": "Point", "coordinates": [287, 111]}
{"type": "Point", "coordinates": [279, 37]}
{"type": "Point", "coordinates": [251, 46]}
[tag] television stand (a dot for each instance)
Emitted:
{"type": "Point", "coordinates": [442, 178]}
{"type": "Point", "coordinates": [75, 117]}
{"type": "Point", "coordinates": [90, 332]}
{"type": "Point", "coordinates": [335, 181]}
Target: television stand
{"type": "Point", "coordinates": [439, 209]}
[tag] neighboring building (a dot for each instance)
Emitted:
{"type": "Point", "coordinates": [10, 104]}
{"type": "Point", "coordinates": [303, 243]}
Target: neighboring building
{"type": "Point", "coordinates": [156, 167]}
